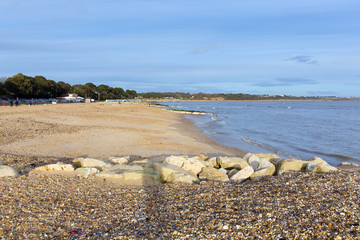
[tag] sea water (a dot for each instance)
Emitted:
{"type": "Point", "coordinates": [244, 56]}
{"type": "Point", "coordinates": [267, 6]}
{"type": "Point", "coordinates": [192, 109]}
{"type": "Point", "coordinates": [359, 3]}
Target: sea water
{"type": "Point", "coordinates": [291, 129]}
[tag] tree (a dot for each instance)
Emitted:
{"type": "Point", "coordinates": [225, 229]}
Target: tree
{"type": "Point", "coordinates": [2, 88]}
{"type": "Point", "coordinates": [20, 85]}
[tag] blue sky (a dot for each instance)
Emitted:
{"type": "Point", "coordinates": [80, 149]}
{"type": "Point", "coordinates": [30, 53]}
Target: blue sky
{"type": "Point", "coordinates": [230, 46]}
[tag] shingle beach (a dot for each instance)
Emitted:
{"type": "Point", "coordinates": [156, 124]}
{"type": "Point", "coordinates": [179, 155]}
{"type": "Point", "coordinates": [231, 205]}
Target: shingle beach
{"type": "Point", "coordinates": [294, 205]}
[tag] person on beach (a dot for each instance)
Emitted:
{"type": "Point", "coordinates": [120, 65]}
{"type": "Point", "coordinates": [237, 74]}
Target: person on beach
{"type": "Point", "coordinates": [31, 102]}
{"type": "Point", "coordinates": [11, 103]}
{"type": "Point", "coordinates": [17, 103]}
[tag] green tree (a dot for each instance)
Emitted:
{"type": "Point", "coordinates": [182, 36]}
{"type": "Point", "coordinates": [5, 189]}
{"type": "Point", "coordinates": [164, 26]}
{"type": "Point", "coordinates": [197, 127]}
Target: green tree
{"type": "Point", "coordinates": [20, 85]}
{"type": "Point", "coordinates": [2, 88]}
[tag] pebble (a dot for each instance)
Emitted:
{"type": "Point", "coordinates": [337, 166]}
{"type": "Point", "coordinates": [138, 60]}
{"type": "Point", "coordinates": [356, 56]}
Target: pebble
{"type": "Point", "coordinates": [64, 207]}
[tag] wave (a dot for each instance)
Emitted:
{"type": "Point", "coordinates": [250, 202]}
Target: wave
{"type": "Point", "coordinates": [339, 156]}
{"type": "Point", "coordinates": [267, 147]}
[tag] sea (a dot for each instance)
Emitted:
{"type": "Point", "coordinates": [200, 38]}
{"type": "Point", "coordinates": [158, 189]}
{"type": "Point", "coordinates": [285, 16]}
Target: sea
{"type": "Point", "coordinates": [291, 129]}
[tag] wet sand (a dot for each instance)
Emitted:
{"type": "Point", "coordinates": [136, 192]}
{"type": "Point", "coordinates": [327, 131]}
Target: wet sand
{"type": "Point", "coordinates": [50, 206]}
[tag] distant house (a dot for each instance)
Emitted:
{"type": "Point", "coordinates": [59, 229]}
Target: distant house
{"type": "Point", "coordinates": [70, 97]}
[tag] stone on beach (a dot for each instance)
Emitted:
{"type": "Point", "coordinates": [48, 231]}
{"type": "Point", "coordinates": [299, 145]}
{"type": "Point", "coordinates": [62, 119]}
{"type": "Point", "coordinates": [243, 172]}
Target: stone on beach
{"type": "Point", "coordinates": [55, 167]}
{"type": "Point", "coordinates": [86, 172]}
{"type": "Point", "coordinates": [252, 160]}
{"type": "Point", "coordinates": [7, 171]}
{"type": "Point", "coordinates": [232, 162]}
{"type": "Point", "coordinates": [267, 170]}
{"type": "Point", "coordinates": [314, 164]}
{"type": "Point", "coordinates": [119, 160]}
{"type": "Point", "coordinates": [324, 168]}
{"type": "Point", "coordinates": [166, 169]}
{"type": "Point", "coordinates": [212, 174]}
{"type": "Point", "coordinates": [212, 162]}
{"type": "Point", "coordinates": [267, 156]}
{"type": "Point", "coordinates": [128, 174]}
{"type": "Point", "coordinates": [180, 177]}
{"type": "Point", "coordinates": [243, 174]}
{"type": "Point", "coordinates": [193, 164]}
{"type": "Point", "coordinates": [89, 162]}
{"type": "Point", "coordinates": [348, 164]}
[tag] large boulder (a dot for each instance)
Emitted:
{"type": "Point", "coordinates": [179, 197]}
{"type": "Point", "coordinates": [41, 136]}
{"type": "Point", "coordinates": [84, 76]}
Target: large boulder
{"type": "Point", "coordinates": [348, 164]}
{"type": "Point", "coordinates": [119, 160]}
{"type": "Point", "coordinates": [90, 162]}
{"type": "Point", "coordinates": [125, 167]}
{"type": "Point", "coordinates": [317, 160]}
{"type": "Point", "coordinates": [291, 165]}
{"type": "Point", "coordinates": [300, 165]}
{"type": "Point", "coordinates": [267, 170]}
{"type": "Point", "coordinates": [243, 174]}
{"type": "Point", "coordinates": [212, 162]}
{"type": "Point", "coordinates": [55, 167]}
{"type": "Point", "coordinates": [324, 168]}
{"type": "Point", "coordinates": [129, 174]}
{"type": "Point", "coordinates": [86, 172]}
{"type": "Point", "coordinates": [267, 156]}
{"type": "Point", "coordinates": [166, 169]}
{"type": "Point", "coordinates": [193, 164]}
{"type": "Point", "coordinates": [232, 162]}
{"type": "Point", "coordinates": [252, 160]}
{"type": "Point", "coordinates": [7, 171]}
{"type": "Point", "coordinates": [180, 177]}
{"type": "Point", "coordinates": [212, 174]}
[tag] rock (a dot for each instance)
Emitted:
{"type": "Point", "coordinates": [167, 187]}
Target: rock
{"type": "Point", "coordinates": [86, 172]}
{"type": "Point", "coordinates": [317, 160]}
{"type": "Point", "coordinates": [203, 157]}
{"type": "Point", "coordinates": [212, 162]}
{"type": "Point", "coordinates": [212, 174]}
{"type": "Point", "coordinates": [232, 162]}
{"type": "Point", "coordinates": [310, 167]}
{"type": "Point", "coordinates": [324, 168]}
{"type": "Point", "coordinates": [243, 174]}
{"type": "Point", "coordinates": [314, 164]}
{"type": "Point", "coordinates": [55, 167]}
{"type": "Point", "coordinates": [291, 165]}
{"type": "Point", "coordinates": [348, 164]}
{"type": "Point", "coordinates": [194, 164]}
{"type": "Point", "coordinates": [129, 175]}
{"type": "Point", "coordinates": [180, 177]}
{"type": "Point", "coordinates": [253, 161]}
{"type": "Point", "coordinates": [7, 171]}
{"type": "Point", "coordinates": [1, 163]}
{"type": "Point", "coordinates": [166, 169]}
{"type": "Point", "coordinates": [90, 162]}
{"type": "Point", "coordinates": [232, 172]}
{"type": "Point", "coordinates": [269, 170]}
{"type": "Point", "coordinates": [125, 167]}
{"type": "Point", "coordinates": [223, 170]}
{"type": "Point", "coordinates": [267, 156]}
{"type": "Point", "coordinates": [264, 163]}
{"type": "Point", "coordinates": [119, 160]}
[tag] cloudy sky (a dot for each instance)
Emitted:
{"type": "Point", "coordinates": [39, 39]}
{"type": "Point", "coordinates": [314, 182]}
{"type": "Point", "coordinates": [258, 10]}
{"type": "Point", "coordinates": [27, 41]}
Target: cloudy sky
{"type": "Point", "coordinates": [302, 47]}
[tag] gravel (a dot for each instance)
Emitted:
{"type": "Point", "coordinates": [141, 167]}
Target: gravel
{"type": "Point", "coordinates": [291, 206]}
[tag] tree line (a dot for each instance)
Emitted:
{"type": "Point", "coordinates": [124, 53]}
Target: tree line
{"type": "Point", "coordinates": [23, 86]}
{"type": "Point", "coordinates": [223, 96]}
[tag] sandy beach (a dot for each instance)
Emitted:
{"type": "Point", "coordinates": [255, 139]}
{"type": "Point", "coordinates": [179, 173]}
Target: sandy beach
{"type": "Point", "coordinates": [101, 130]}
{"type": "Point", "coordinates": [51, 206]}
